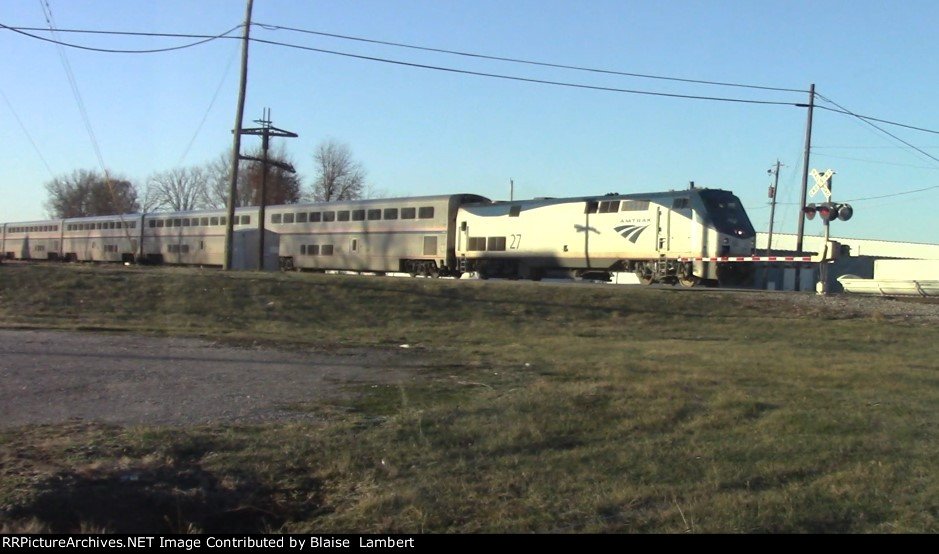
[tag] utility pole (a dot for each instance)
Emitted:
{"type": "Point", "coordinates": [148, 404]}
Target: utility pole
{"type": "Point", "coordinates": [805, 180]}
{"type": "Point", "coordinates": [236, 143]}
{"type": "Point", "coordinates": [266, 130]}
{"type": "Point", "coordinates": [772, 216]}
{"type": "Point", "coordinates": [805, 167]}
{"type": "Point", "coordinates": [772, 206]}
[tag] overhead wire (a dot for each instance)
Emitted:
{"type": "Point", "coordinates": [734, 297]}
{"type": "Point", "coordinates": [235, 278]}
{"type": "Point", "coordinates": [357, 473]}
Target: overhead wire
{"type": "Point", "coordinates": [26, 132]}
{"type": "Point", "coordinates": [271, 27]}
{"type": "Point", "coordinates": [205, 116]}
{"type": "Point", "coordinates": [520, 79]}
{"type": "Point", "coordinates": [207, 38]}
{"type": "Point", "coordinates": [267, 26]}
{"type": "Point", "coordinates": [868, 122]}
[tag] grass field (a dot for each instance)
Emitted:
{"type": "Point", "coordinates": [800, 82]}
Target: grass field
{"type": "Point", "coordinates": [574, 409]}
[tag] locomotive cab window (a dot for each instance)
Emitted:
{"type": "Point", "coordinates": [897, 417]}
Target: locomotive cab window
{"type": "Point", "coordinates": [591, 207]}
{"type": "Point", "coordinates": [609, 206]}
{"type": "Point", "coordinates": [681, 204]}
{"type": "Point", "coordinates": [514, 211]}
{"type": "Point", "coordinates": [635, 205]}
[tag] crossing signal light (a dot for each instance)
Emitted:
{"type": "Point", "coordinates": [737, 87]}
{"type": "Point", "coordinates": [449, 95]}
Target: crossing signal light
{"type": "Point", "coordinates": [845, 211]}
{"type": "Point", "coordinates": [829, 211]}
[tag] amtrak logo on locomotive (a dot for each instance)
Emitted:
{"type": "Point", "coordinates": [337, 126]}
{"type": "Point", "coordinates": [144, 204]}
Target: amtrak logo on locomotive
{"type": "Point", "coordinates": [631, 232]}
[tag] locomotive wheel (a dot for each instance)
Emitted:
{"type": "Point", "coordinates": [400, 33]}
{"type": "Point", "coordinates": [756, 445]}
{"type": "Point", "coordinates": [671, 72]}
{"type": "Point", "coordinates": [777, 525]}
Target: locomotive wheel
{"type": "Point", "coordinates": [645, 278]}
{"type": "Point", "coordinates": [689, 281]}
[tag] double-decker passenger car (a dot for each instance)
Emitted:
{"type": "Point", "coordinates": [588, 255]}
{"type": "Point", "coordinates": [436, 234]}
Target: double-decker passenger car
{"type": "Point", "coordinates": [410, 235]}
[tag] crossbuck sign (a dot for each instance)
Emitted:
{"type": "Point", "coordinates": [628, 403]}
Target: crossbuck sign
{"type": "Point", "coordinates": [821, 183]}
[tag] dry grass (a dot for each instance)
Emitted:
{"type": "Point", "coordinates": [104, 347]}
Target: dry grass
{"type": "Point", "coordinates": [546, 409]}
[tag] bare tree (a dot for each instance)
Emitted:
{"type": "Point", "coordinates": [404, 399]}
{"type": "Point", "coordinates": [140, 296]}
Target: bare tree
{"type": "Point", "coordinates": [283, 185]}
{"type": "Point", "coordinates": [87, 193]}
{"type": "Point", "coordinates": [180, 189]}
{"type": "Point", "coordinates": [338, 175]}
{"type": "Point", "coordinates": [218, 182]}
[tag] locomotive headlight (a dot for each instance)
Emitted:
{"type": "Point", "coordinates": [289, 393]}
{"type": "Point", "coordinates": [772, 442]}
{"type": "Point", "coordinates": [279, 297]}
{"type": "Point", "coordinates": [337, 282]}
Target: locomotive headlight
{"type": "Point", "coordinates": [725, 241]}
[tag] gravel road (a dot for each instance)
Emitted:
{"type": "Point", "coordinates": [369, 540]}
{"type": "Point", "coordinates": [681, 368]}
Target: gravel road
{"type": "Point", "coordinates": [52, 376]}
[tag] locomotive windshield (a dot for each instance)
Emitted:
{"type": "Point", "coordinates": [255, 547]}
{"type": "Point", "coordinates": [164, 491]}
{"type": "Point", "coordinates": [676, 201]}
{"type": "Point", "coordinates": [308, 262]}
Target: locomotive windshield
{"type": "Point", "coordinates": [726, 213]}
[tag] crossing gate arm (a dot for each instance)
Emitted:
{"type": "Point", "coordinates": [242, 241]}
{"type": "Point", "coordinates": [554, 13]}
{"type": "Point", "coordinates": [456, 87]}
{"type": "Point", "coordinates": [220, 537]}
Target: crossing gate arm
{"type": "Point", "coordinates": [817, 258]}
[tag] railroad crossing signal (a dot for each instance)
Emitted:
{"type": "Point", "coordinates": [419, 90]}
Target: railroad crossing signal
{"type": "Point", "coordinates": [829, 211]}
{"type": "Point", "coordinates": [821, 184]}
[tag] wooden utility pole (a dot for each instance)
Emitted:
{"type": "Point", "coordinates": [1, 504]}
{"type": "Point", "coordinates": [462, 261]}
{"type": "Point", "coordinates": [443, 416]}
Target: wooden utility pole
{"type": "Point", "coordinates": [805, 181]}
{"type": "Point", "coordinates": [772, 217]}
{"type": "Point", "coordinates": [772, 207]}
{"type": "Point", "coordinates": [805, 169]}
{"type": "Point", "coordinates": [236, 141]}
{"type": "Point", "coordinates": [266, 130]}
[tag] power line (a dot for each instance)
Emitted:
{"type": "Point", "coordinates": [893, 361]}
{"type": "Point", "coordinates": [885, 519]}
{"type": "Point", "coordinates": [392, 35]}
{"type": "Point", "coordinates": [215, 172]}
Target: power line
{"type": "Point", "coordinates": [21, 30]}
{"type": "Point", "coordinates": [26, 132]}
{"type": "Point", "coordinates": [270, 27]}
{"type": "Point", "coordinates": [208, 109]}
{"type": "Point", "coordinates": [867, 121]}
{"type": "Point", "coordinates": [521, 79]}
{"type": "Point", "coordinates": [208, 38]}
{"type": "Point", "coordinates": [873, 161]}
{"type": "Point", "coordinates": [869, 118]}
{"type": "Point", "coordinates": [404, 63]}
{"type": "Point", "coordinates": [893, 194]}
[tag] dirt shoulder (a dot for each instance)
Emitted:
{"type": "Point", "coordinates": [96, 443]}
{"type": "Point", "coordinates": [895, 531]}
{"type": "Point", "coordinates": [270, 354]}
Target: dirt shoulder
{"type": "Point", "coordinates": [54, 376]}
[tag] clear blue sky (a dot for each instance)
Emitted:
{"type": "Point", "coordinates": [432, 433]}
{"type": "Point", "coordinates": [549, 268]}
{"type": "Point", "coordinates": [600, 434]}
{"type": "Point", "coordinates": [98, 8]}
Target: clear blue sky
{"type": "Point", "coordinates": [419, 131]}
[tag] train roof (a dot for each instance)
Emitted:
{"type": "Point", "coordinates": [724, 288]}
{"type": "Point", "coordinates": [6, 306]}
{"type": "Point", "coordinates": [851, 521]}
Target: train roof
{"type": "Point", "coordinates": [613, 196]}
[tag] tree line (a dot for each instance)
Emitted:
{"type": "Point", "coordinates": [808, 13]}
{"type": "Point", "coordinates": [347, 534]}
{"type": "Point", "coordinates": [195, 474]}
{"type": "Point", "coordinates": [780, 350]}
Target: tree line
{"type": "Point", "coordinates": [338, 176]}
